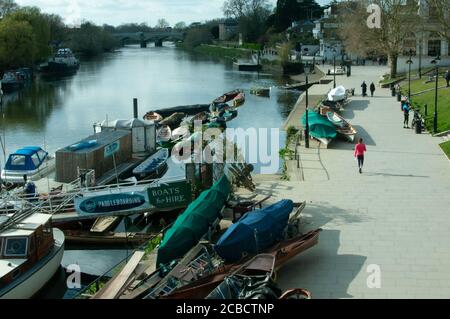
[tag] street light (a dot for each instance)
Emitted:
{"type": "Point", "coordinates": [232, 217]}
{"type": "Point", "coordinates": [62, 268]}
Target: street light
{"type": "Point", "coordinates": [409, 73]}
{"type": "Point", "coordinates": [307, 112]}
{"type": "Point", "coordinates": [334, 67]}
{"type": "Point", "coordinates": [436, 63]}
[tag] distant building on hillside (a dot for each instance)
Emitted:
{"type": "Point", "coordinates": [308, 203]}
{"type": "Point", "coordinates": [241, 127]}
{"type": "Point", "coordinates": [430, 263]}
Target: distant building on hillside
{"type": "Point", "coordinates": [228, 29]}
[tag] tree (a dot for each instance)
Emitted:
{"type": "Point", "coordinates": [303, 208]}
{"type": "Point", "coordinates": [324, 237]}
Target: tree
{"type": "Point", "coordinates": [196, 37]}
{"type": "Point", "coordinates": [288, 11]}
{"type": "Point", "coordinates": [441, 10]}
{"type": "Point", "coordinates": [398, 20]}
{"type": "Point", "coordinates": [18, 43]}
{"type": "Point", "coordinates": [252, 16]}
{"type": "Point", "coordinates": [180, 26]}
{"type": "Point", "coordinates": [7, 6]}
{"type": "Point", "coordinates": [41, 29]}
{"type": "Point", "coordinates": [58, 30]}
{"type": "Point", "coordinates": [162, 24]}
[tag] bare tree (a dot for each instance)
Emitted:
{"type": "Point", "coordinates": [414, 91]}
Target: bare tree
{"type": "Point", "coordinates": [398, 20]}
{"type": "Point", "coordinates": [441, 13]}
{"type": "Point", "coordinates": [180, 25]}
{"type": "Point", "coordinates": [162, 24]}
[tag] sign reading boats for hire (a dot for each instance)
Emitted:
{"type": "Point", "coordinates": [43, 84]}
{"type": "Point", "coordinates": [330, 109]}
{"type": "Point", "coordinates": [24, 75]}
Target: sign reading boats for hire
{"type": "Point", "coordinates": [170, 195]}
{"type": "Point", "coordinates": [113, 203]}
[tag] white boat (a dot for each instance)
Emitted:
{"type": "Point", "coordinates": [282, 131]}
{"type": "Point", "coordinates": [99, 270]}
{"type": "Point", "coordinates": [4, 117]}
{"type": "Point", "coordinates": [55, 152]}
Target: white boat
{"type": "Point", "coordinates": [339, 71]}
{"type": "Point", "coordinates": [343, 127]}
{"type": "Point", "coordinates": [30, 256]}
{"type": "Point", "coordinates": [31, 161]}
{"type": "Point", "coordinates": [337, 94]}
{"type": "Point", "coordinates": [163, 134]}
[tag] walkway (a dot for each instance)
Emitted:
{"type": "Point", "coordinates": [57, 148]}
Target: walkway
{"type": "Point", "coordinates": [396, 215]}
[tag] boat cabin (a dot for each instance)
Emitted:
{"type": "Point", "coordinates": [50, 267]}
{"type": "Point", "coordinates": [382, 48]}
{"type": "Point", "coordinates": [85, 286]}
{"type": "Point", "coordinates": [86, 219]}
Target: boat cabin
{"type": "Point", "coordinates": [26, 159]}
{"type": "Point", "coordinates": [23, 245]}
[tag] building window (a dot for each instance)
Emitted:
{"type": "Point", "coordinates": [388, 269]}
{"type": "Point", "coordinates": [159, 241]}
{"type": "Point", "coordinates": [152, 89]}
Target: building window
{"type": "Point", "coordinates": [434, 47]}
{"type": "Point", "coordinates": [409, 44]}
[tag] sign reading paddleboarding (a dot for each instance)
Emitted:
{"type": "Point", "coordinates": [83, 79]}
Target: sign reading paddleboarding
{"type": "Point", "coordinates": [112, 149]}
{"type": "Point", "coordinates": [170, 195]}
{"type": "Point", "coordinates": [113, 203]}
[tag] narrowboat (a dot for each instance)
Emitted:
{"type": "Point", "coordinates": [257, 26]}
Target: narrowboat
{"type": "Point", "coordinates": [30, 254]}
{"type": "Point", "coordinates": [31, 161]}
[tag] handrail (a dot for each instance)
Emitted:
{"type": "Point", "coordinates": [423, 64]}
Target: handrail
{"type": "Point", "coordinates": [142, 247]}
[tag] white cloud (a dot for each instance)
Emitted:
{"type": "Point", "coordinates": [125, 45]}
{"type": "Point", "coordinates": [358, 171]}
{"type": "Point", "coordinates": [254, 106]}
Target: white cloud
{"type": "Point", "coordinates": [116, 12]}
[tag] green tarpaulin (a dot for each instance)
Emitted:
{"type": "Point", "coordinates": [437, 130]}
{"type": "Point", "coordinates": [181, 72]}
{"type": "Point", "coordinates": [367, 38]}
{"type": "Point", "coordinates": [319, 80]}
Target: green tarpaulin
{"type": "Point", "coordinates": [319, 126]}
{"type": "Point", "coordinates": [193, 224]}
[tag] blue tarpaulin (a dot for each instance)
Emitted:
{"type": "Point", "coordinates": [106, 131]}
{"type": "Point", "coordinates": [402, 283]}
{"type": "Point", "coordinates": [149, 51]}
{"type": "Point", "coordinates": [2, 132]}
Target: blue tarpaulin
{"type": "Point", "coordinates": [255, 231]}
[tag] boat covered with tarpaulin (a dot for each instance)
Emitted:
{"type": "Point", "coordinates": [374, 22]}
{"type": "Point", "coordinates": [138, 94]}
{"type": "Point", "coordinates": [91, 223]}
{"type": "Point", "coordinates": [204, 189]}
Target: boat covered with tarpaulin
{"type": "Point", "coordinates": [194, 223]}
{"type": "Point", "coordinates": [320, 127]}
{"type": "Point", "coordinates": [255, 231]}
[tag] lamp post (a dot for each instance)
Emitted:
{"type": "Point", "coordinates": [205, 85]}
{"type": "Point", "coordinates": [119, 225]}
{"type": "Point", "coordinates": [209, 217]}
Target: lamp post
{"type": "Point", "coordinates": [334, 67]}
{"type": "Point", "coordinates": [307, 112]}
{"type": "Point", "coordinates": [435, 119]}
{"type": "Point", "coordinates": [409, 73]}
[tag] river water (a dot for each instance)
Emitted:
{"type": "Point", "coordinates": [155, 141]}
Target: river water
{"type": "Point", "coordinates": [57, 113]}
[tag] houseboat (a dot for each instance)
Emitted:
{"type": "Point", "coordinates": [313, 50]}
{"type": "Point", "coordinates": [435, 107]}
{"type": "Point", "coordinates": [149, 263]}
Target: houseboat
{"type": "Point", "coordinates": [63, 63]}
{"type": "Point", "coordinates": [30, 254]}
{"type": "Point", "coordinates": [31, 161]}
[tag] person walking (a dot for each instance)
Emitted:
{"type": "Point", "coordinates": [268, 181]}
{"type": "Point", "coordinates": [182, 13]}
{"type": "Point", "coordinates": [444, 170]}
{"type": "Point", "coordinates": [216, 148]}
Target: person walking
{"type": "Point", "coordinates": [447, 78]}
{"type": "Point", "coordinates": [406, 109]}
{"type": "Point", "coordinates": [360, 150]}
{"type": "Point", "coordinates": [364, 88]}
{"type": "Point", "coordinates": [372, 89]}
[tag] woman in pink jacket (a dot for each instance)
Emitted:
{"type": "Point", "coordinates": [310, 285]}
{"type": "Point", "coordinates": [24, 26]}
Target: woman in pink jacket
{"type": "Point", "coordinates": [360, 150]}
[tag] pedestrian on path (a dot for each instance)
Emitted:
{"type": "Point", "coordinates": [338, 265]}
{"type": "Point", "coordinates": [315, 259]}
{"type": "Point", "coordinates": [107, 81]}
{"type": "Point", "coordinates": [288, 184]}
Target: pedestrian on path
{"type": "Point", "coordinates": [360, 150]}
{"type": "Point", "coordinates": [406, 109]}
{"type": "Point", "coordinates": [447, 78]}
{"type": "Point", "coordinates": [372, 89]}
{"type": "Point", "coordinates": [364, 88]}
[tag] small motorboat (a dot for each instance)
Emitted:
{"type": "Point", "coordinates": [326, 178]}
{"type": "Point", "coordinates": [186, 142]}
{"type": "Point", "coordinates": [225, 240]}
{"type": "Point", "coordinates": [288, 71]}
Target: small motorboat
{"type": "Point", "coordinates": [227, 97]}
{"type": "Point", "coordinates": [12, 81]}
{"type": "Point", "coordinates": [31, 254]}
{"type": "Point", "coordinates": [239, 99]}
{"type": "Point", "coordinates": [343, 128]}
{"type": "Point", "coordinates": [152, 166]}
{"type": "Point", "coordinates": [337, 94]}
{"type": "Point", "coordinates": [164, 134]}
{"type": "Point", "coordinates": [153, 116]}
{"type": "Point", "coordinates": [31, 161]}
{"type": "Point", "coordinates": [260, 91]}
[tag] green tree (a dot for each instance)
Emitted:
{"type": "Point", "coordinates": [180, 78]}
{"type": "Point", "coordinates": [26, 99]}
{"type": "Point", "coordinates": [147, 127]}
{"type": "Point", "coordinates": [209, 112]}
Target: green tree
{"type": "Point", "coordinates": [288, 11]}
{"type": "Point", "coordinates": [196, 37]}
{"type": "Point", "coordinates": [58, 30]}
{"type": "Point", "coordinates": [18, 43]}
{"type": "Point", "coordinates": [40, 26]}
{"type": "Point", "coordinates": [180, 26]}
{"type": "Point", "coordinates": [7, 6]}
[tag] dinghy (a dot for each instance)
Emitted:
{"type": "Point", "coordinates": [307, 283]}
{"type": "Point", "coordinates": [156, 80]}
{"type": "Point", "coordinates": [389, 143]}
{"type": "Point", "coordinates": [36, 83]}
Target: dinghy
{"type": "Point", "coordinates": [164, 134]}
{"type": "Point", "coordinates": [153, 165]}
{"type": "Point", "coordinates": [239, 99]}
{"type": "Point", "coordinates": [227, 97]}
{"type": "Point", "coordinates": [260, 91]}
{"type": "Point", "coordinates": [343, 127]}
{"type": "Point", "coordinates": [153, 116]}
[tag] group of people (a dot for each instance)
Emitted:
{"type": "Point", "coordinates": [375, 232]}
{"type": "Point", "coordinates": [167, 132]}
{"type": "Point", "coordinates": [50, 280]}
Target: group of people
{"type": "Point", "coordinates": [364, 89]}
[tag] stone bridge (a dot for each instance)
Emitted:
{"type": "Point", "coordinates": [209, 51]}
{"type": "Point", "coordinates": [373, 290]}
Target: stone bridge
{"type": "Point", "coordinates": [157, 36]}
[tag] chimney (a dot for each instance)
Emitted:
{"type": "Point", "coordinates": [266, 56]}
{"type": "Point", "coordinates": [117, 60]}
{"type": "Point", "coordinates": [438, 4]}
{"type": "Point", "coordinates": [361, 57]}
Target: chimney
{"type": "Point", "coordinates": [135, 108]}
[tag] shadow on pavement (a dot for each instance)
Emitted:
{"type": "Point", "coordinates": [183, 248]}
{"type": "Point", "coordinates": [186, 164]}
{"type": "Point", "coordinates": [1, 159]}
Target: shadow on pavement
{"type": "Point", "coordinates": [393, 175]}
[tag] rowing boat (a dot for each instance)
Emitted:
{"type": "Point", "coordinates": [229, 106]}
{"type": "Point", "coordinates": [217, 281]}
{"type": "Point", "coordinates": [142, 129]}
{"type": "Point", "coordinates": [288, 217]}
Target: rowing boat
{"type": "Point", "coordinates": [343, 128]}
{"type": "Point", "coordinates": [227, 97]}
{"type": "Point", "coordinates": [239, 99]}
{"type": "Point", "coordinates": [153, 165]}
{"type": "Point", "coordinates": [153, 116]}
{"type": "Point", "coordinates": [260, 91]}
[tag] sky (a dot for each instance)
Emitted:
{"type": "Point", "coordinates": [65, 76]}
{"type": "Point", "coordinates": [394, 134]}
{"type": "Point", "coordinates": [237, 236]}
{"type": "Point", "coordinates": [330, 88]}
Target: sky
{"type": "Point", "coordinates": [115, 12]}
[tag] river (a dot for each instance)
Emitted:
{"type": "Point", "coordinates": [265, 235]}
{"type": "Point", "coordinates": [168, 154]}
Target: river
{"type": "Point", "coordinates": [57, 113]}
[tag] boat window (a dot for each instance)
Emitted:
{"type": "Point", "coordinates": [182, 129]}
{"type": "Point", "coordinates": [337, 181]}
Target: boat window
{"type": "Point", "coordinates": [35, 160]}
{"type": "Point", "coordinates": [16, 247]}
{"type": "Point", "coordinates": [42, 154]}
{"type": "Point", "coordinates": [18, 160]}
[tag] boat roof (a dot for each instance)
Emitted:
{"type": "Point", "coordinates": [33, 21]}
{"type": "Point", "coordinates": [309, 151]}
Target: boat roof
{"type": "Point", "coordinates": [28, 150]}
{"type": "Point", "coordinates": [8, 265]}
{"type": "Point", "coordinates": [26, 227]}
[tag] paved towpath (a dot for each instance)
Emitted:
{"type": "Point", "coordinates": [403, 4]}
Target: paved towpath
{"type": "Point", "coordinates": [396, 215]}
